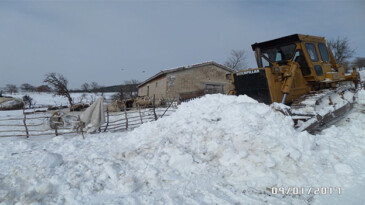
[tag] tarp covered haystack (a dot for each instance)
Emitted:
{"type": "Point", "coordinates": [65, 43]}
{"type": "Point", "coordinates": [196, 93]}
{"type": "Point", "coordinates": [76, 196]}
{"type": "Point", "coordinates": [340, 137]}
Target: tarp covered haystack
{"type": "Point", "coordinates": [94, 116]}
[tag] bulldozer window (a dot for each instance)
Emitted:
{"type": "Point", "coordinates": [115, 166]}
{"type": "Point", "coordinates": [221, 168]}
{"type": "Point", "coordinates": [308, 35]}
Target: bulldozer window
{"type": "Point", "coordinates": [300, 59]}
{"type": "Point", "coordinates": [279, 53]}
{"type": "Point", "coordinates": [265, 63]}
{"type": "Point", "coordinates": [311, 49]}
{"type": "Point", "coordinates": [323, 51]}
{"type": "Point", "coordinates": [318, 70]}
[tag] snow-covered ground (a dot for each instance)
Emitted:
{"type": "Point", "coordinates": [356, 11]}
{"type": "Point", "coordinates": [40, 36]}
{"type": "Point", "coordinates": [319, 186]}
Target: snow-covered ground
{"type": "Point", "coordinates": [48, 99]}
{"type": "Point", "coordinates": [362, 75]}
{"type": "Point", "coordinates": [214, 150]}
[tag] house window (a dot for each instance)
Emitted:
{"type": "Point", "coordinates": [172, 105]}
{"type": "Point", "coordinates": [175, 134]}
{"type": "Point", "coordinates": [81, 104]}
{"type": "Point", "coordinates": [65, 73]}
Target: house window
{"type": "Point", "coordinates": [213, 88]}
{"type": "Point", "coordinates": [312, 51]}
{"type": "Point", "coordinates": [156, 84]}
{"type": "Point", "coordinates": [148, 90]}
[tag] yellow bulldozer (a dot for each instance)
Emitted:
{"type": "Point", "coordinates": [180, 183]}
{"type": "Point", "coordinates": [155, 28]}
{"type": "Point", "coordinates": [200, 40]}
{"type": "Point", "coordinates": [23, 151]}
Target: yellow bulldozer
{"type": "Point", "coordinates": [301, 72]}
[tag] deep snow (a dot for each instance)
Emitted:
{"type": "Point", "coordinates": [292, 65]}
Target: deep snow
{"type": "Point", "coordinates": [216, 149]}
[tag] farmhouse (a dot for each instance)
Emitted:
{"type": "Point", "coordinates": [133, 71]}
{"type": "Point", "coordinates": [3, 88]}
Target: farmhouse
{"type": "Point", "coordinates": [187, 82]}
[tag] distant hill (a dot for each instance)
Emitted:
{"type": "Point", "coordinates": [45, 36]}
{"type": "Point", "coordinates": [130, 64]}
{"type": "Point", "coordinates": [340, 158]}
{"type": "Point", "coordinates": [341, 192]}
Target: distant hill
{"type": "Point", "coordinates": [110, 89]}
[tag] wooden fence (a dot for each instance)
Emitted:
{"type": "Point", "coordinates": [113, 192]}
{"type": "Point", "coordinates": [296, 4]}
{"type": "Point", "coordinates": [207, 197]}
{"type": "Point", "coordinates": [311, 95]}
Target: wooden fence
{"type": "Point", "coordinates": [27, 124]}
{"type": "Point", "coordinates": [31, 124]}
{"type": "Point", "coordinates": [130, 119]}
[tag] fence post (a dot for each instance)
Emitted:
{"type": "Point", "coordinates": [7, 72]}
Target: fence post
{"type": "Point", "coordinates": [25, 124]}
{"type": "Point", "coordinates": [81, 127]}
{"type": "Point", "coordinates": [107, 118]}
{"type": "Point", "coordinates": [153, 105]}
{"type": "Point", "coordinates": [55, 128]}
{"type": "Point", "coordinates": [140, 115]}
{"type": "Point", "coordinates": [167, 109]}
{"type": "Point", "coordinates": [125, 114]}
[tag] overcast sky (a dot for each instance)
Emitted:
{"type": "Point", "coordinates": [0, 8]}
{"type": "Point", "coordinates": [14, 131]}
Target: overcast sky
{"type": "Point", "coordinates": [113, 41]}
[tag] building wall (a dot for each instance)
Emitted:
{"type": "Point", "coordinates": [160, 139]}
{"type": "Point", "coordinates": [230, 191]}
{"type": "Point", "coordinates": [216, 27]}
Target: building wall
{"type": "Point", "coordinates": [155, 87]}
{"type": "Point", "coordinates": [190, 80]}
{"type": "Point", "coordinates": [195, 79]}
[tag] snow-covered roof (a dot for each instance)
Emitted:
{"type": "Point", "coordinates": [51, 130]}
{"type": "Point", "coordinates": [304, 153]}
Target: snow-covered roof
{"type": "Point", "coordinates": [172, 70]}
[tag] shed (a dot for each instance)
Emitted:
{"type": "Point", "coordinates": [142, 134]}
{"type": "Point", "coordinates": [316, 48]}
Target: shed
{"type": "Point", "coordinates": [187, 81]}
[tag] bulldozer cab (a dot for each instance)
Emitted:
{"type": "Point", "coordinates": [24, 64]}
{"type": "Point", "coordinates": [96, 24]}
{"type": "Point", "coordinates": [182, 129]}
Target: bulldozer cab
{"type": "Point", "coordinates": [310, 52]}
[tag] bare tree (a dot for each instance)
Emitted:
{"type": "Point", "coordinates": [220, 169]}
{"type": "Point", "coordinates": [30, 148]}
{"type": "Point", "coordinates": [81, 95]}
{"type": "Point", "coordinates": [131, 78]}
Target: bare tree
{"type": "Point", "coordinates": [94, 86]}
{"type": "Point", "coordinates": [59, 84]}
{"type": "Point", "coordinates": [85, 87]}
{"type": "Point", "coordinates": [10, 88]}
{"type": "Point", "coordinates": [341, 49]}
{"type": "Point", "coordinates": [359, 62]}
{"type": "Point", "coordinates": [131, 82]}
{"type": "Point", "coordinates": [237, 60]}
{"type": "Point", "coordinates": [28, 101]}
{"type": "Point", "coordinates": [43, 88]}
{"type": "Point", "coordinates": [26, 87]}
{"type": "Point", "coordinates": [127, 91]}
{"type": "Point", "coordinates": [120, 95]}
{"type": "Point", "coordinates": [130, 88]}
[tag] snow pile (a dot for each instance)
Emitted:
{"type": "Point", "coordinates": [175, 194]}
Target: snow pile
{"type": "Point", "coordinates": [247, 143]}
{"type": "Point", "coordinates": [51, 160]}
{"type": "Point", "coordinates": [216, 149]}
{"type": "Point", "coordinates": [362, 75]}
{"type": "Point", "coordinates": [361, 97]}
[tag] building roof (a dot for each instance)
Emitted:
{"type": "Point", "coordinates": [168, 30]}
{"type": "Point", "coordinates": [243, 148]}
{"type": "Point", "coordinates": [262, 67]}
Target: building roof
{"type": "Point", "coordinates": [172, 70]}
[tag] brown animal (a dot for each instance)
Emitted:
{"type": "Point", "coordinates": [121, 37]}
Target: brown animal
{"type": "Point", "coordinates": [115, 106]}
{"type": "Point", "coordinates": [79, 107]}
{"type": "Point", "coordinates": [145, 101]}
{"type": "Point", "coordinates": [119, 105]}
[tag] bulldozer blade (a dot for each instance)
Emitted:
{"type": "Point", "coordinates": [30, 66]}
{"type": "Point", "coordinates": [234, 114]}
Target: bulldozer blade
{"type": "Point", "coordinates": [327, 120]}
{"type": "Point", "coordinates": [315, 112]}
